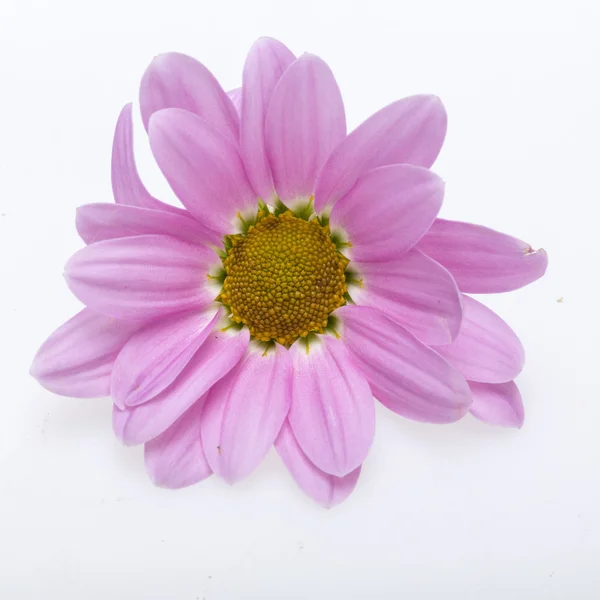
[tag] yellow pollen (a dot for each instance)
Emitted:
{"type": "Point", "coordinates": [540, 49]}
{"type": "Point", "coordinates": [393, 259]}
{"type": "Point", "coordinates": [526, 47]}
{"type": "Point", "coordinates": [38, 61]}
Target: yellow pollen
{"type": "Point", "coordinates": [283, 278]}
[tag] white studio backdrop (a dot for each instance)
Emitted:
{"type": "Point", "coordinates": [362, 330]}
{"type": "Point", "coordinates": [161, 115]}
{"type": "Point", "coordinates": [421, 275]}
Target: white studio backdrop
{"type": "Point", "coordinates": [464, 511]}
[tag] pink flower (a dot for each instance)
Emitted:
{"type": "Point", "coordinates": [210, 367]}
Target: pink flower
{"type": "Point", "coordinates": [306, 274]}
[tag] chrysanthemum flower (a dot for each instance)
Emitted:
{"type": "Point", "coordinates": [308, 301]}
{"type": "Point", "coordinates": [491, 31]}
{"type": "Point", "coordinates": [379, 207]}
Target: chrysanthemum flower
{"type": "Point", "coordinates": [306, 275]}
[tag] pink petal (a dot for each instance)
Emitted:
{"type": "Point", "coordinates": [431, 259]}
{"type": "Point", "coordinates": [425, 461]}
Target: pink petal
{"type": "Point", "coordinates": [214, 359]}
{"type": "Point", "coordinates": [486, 348]}
{"type": "Point", "coordinates": [333, 413]}
{"type": "Point", "coordinates": [409, 131]}
{"type": "Point", "coordinates": [245, 411]}
{"type": "Point", "coordinates": [204, 169]}
{"type": "Point", "coordinates": [304, 123]}
{"type": "Point", "coordinates": [327, 490]}
{"type": "Point", "coordinates": [497, 403]}
{"type": "Point", "coordinates": [483, 260]}
{"type": "Point", "coordinates": [154, 356]}
{"type": "Point", "coordinates": [175, 459]}
{"type": "Point", "coordinates": [388, 210]}
{"type": "Point", "coordinates": [235, 96]}
{"type": "Point", "coordinates": [405, 375]}
{"type": "Point", "coordinates": [265, 64]}
{"type": "Point", "coordinates": [97, 222]}
{"type": "Point", "coordinates": [416, 292]}
{"type": "Point", "coordinates": [77, 359]}
{"type": "Point", "coordinates": [127, 186]}
{"type": "Point", "coordinates": [141, 277]}
{"type": "Point", "coordinates": [175, 80]}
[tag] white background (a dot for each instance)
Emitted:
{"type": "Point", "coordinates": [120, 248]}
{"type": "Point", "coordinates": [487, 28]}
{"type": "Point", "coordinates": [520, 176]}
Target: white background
{"type": "Point", "coordinates": [463, 511]}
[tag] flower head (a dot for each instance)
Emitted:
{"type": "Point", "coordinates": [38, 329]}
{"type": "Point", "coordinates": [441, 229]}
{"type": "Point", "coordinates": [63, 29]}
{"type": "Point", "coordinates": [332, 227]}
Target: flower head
{"type": "Point", "coordinates": [306, 274]}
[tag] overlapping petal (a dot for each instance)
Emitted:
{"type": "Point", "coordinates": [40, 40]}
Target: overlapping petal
{"type": "Point", "coordinates": [486, 349]}
{"type": "Point", "coordinates": [204, 169]}
{"type": "Point", "coordinates": [174, 80]}
{"type": "Point", "coordinates": [105, 221]}
{"type": "Point", "coordinates": [214, 359]}
{"type": "Point", "coordinates": [497, 403]}
{"type": "Point", "coordinates": [332, 413]}
{"type": "Point", "coordinates": [388, 211]}
{"type": "Point", "coordinates": [265, 64]}
{"type": "Point", "coordinates": [141, 277]}
{"type": "Point", "coordinates": [155, 355]}
{"type": "Point", "coordinates": [235, 96]}
{"type": "Point", "coordinates": [245, 411]}
{"type": "Point", "coordinates": [305, 122]}
{"type": "Point", "coordinates": [405, 375]}
{"type": "Point", "coordinates": [175, 459]}
{"type": "Point", "coordinates": [77, 359]}
{"type": "Point", "coordinates": [416, 292]}
{"type": "Point", "coordinates": [483, 260]}
{"type": "Point", "coordinates": [127, 186]}
{"type": "Point", "coordinates": [409, 131]}
{"type": "Point", "coordinates": [328, 490]}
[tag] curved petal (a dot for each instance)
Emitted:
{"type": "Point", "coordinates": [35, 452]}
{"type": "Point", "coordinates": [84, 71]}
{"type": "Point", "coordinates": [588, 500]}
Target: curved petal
{"type": "Point", "coordinates": [265, 64]}
{"type": "Point", "coordinates": [175, 459]}
{"type": "Point", "coordinates": [127, 186]}
{"type": "Point", "coordinates": [204, 169]}
{"type": "Point", "coordinates": [388, 210]}
{"type": "Point", "coordinates": [141, 277]}
{"type": "Point", "coordinates": [175, 80]}
{"type": "Point", "coordinates": [405, 375]}
{"type": "Point", "coordinates": [327, 490]}
{"type": "Point", "coordinates": [498, 403]}
{"type": "Point", "coordinates": [105, 221]}
{"type": "Point", "coordinates": [409, 131]}
{"type": "Point", "coordinates": [245, 411]}
{"type": "Point", "coordinates": [333, 413]}
{"type": "Point", "coordinates": [483, 261]}
{"type": "Point", "coordinates": [486, 348]}
{"type": "Point", "coordinates": [304, 123]}
{"type": "Point", "coordinates": [416, 292]}
{"type": "Point", "coordinates": [77, 359]}
{"type": "Point", "coordinates": [235, 96]}
{"type": "Point", "coordinates": [214, 359]}
{"type": "Point", "coordinates": [154, 356]}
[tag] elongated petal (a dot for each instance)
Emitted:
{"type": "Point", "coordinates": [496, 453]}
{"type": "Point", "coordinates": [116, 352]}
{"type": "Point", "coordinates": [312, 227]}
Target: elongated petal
{"type": "Point", "coordinates": [100, 221]}
{"type": "Point", "coordinates": [333, 413]}
{"type": "Point", "coordinates": [235, 96]}
{"type": "Point", "coordinates": [141, 277]}
{"type": "Point", "coordinates": [175, 459]}
{"type": "Point", "coordinates": [409, 131]}
{"type": "Point", "coordinates": [77, 359]}
{"type": "Point", "coordinates": [245, 411]}
{"type": "Point", "coordinates": [486, 349]}
{"type": "Point", "coordinates": [154, 356]}
{"type": "Point", "coordinates": [204, 169]}
{"type": "Point", "coordinates": [327, 490]}
{"type": "Point", "coordinates": [483, 260]}
{"type": "Point", "coordinates": [127, 186]}
{"type": "Point", "coordinates": [266, 62]}
{"type": "Point", "coordinates": [388, 210]}
{"type": "Point", "coordinates": [214, 359]}
{"type": "Point", "coordinates": [175, 80]}
{"type": "Point", "coordinates": [305, 122]}
{"type": "Point", "coordinates": [497, 403]}
{"type": "Point", "coordinates": [405, 375]}
{"type": "Point", "coordinates": [416, 292]}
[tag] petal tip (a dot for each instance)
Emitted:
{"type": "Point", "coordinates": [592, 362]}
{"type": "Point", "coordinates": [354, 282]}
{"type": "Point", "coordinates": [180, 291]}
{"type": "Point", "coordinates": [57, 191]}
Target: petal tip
{"type": "Point", "coordinates": [126, 111]}
{"type": "Point", "coordinates": [158, 118]}
{"type": "Point", "coordinates": [35, 369]}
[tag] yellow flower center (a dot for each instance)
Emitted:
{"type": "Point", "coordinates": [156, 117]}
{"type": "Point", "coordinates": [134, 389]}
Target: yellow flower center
{"type": "Point", "coordinates": [283, 278]}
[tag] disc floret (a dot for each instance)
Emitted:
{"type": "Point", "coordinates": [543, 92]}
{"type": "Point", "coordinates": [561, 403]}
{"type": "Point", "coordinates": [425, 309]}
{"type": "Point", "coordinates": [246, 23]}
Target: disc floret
{"type": "Point", "coordinates": [283, 277]}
